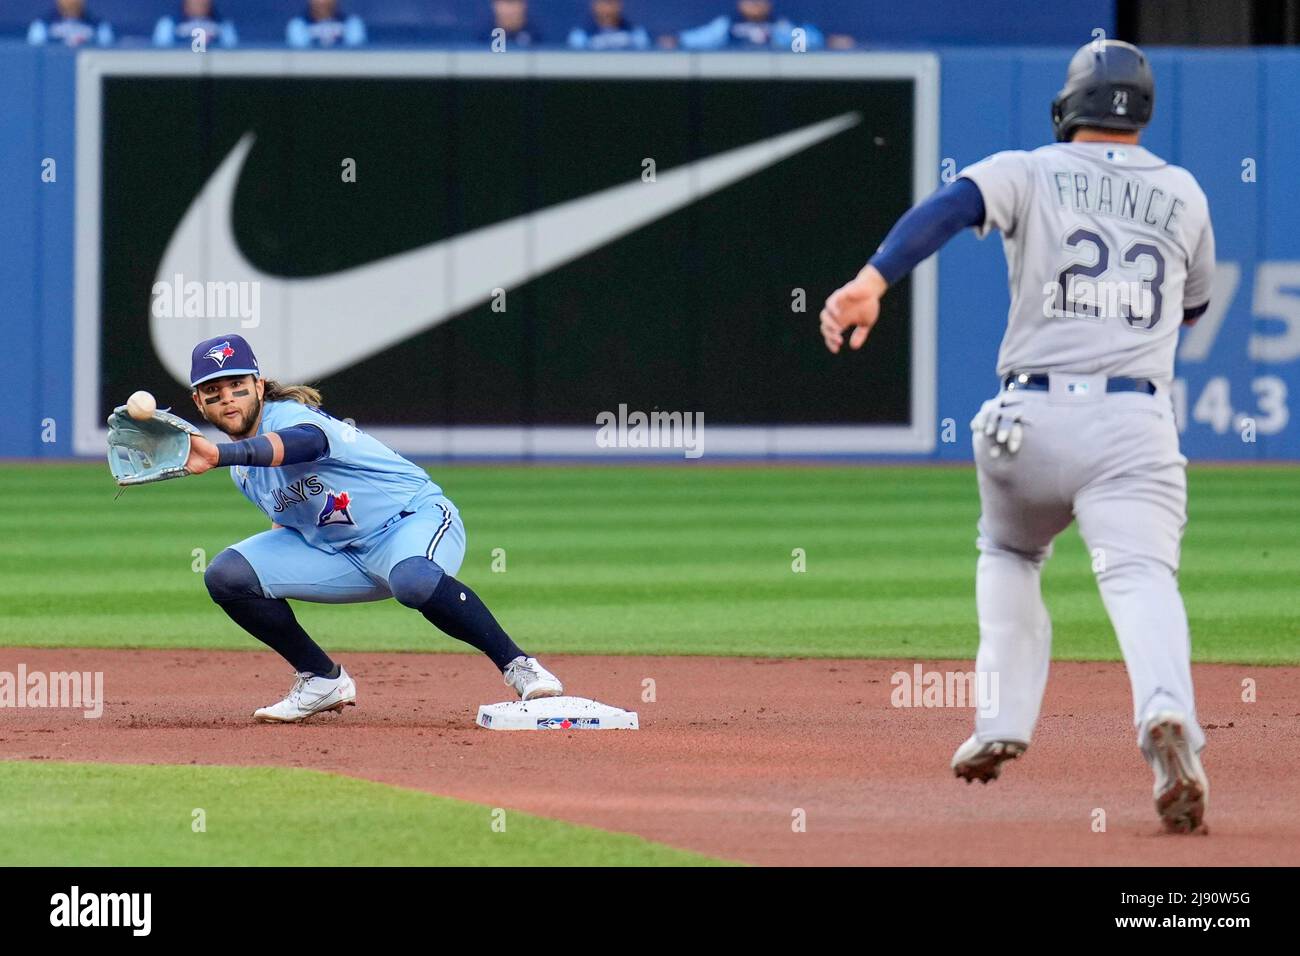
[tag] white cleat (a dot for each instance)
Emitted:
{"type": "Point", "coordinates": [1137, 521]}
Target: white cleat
{"type": "Point", "coordinates": [982, 760]}
{"type": "Point", "coordinates": [309, 695]}
{"type": "Point", "coordinates": [531, 680]}
{"type": "Point", "coordinates": [1182, 791]}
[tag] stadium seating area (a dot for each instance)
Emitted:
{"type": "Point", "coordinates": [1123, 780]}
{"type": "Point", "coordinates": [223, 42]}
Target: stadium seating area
{"type": "Point", "coordinates": [468, 22]}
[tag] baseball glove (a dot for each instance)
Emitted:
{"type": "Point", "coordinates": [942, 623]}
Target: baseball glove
{"type": "Point", "coordinates": [154, 449]}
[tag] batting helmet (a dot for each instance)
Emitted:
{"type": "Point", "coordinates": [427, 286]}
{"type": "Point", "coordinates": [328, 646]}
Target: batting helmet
{"type": "Point", "coordinates": [1109, 85]}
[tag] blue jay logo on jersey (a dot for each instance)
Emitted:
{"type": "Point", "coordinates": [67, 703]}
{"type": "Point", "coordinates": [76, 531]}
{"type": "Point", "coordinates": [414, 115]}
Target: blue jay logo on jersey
{"type": "Point", "coordinates": [219, 354]}
{"type": "Point", "coordinates": [336, 510]}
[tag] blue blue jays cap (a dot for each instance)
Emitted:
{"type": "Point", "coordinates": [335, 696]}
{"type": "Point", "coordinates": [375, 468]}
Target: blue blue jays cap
{"type": "Point", "coordinates": [222, 356]}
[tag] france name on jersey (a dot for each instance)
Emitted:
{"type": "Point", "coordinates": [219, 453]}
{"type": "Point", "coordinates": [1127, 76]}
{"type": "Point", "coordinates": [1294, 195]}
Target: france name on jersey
{"type": "Point", "coordinates": [1106, 245]}
{"type": "Point", "coordinates": [340, 498]}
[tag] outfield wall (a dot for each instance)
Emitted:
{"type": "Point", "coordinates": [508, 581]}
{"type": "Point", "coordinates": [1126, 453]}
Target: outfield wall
{"type": "Point", "coordinates": [1230, 117]}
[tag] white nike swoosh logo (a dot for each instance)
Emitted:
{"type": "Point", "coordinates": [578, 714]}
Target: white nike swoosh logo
{"type": "Point", "coordinates": [315, 326]}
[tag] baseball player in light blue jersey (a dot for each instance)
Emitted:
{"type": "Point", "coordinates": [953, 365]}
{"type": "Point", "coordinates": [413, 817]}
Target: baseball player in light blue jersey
{"type": "Point", "coordinates": [1110, 251]}
{"type": "Point", "coordinates": [351, 520]}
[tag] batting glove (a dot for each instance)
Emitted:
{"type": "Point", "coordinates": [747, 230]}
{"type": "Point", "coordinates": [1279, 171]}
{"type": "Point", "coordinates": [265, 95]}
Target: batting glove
{"type": "Point", "coordinates": [1002, 427]}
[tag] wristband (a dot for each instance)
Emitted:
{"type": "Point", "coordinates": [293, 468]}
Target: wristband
{"type": "Point", "coordinates": [250, 451]}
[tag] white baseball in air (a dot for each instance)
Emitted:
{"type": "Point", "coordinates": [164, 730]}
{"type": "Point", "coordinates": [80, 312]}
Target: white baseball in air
{"type": "Point", "coordinates": [141, 405]}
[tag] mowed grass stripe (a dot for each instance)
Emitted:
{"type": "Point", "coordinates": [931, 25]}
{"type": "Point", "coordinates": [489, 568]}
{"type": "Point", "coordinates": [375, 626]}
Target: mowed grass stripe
{"type": "Point", "coordinates": [70, 814]}
{"type": "Point", "coordinates": [646, 560]}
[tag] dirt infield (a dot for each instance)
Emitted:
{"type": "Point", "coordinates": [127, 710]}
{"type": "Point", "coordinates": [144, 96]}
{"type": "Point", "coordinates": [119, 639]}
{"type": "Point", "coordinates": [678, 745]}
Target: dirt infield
{"type": "Point", "coordinates": [728, 752]}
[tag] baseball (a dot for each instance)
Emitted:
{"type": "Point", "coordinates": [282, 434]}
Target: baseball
{"type": "Point", "coordinates": [141, 405]}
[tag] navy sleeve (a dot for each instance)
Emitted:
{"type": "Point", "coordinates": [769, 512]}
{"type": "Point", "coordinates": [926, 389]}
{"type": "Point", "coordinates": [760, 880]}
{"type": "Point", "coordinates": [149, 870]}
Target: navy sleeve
{"type": "Point", "coordinates": [301, 443]}
{"type": "Point", "coordinates": [927, 226]}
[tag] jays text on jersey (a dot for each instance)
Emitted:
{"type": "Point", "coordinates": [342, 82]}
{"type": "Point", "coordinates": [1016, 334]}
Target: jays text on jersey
{"type": "Point", "coordinates": [349, 493]}
{"type": "Point", "coordinates": [1106, 244]}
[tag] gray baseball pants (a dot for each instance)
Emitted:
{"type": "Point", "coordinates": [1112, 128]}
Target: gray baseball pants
{"type": "Point", "coordinates": [1111, 462]}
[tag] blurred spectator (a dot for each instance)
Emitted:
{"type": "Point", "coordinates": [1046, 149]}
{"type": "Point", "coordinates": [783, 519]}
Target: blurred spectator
{"type": "Point", "coordinates": [195, 15]}
{"type": "Point", "coordinates": [324, 26]}
{"type": "Point", "coordinates": [70, 25]}
{"type": "Point", "coordinates": [608, 30]}
{"type": "Point", "coordinates": [753, 29]}
{"type": "Point", "coordinates": [511, 17]}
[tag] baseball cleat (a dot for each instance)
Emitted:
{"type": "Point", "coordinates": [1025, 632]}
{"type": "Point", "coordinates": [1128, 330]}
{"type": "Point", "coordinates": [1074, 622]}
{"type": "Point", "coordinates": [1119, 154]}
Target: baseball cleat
{"type": "Point", "coordinates": [982, 760]}
{"type": "Point", "coordinates": [310, 694]}
{"type": "Point", "coordinates": [1182, 791]}
{"type": "Point", "coordinates": [531, 680]}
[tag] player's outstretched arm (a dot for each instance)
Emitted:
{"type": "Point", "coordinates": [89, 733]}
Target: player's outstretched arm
{"type": "Point", "coordinates": [856, 305]}
{"type": "Point", "coordinates": [292, 446]}
{"type": "Point", "coordinates": [914, 238]}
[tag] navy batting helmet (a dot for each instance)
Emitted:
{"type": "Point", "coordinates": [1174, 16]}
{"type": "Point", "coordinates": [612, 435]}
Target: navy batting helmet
{"type": "Point", "coordinates": [1109, 85]}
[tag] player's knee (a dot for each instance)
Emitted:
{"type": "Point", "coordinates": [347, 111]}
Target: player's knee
{"type": "Point", "coordinates": [414, 580]}
{"type": "Point", "coordinates": [230, 577]}
{"type": "Point", "coordinates": [1031, 555]}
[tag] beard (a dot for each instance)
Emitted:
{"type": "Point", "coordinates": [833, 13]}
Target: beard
{"type": "Point", "coordinates": [240, 425]}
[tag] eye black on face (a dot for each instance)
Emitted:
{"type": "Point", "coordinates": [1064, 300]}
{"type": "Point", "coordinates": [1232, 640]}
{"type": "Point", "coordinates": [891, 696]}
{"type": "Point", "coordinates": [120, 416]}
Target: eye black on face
{"type": "Point", "coordinates": [211, 391]}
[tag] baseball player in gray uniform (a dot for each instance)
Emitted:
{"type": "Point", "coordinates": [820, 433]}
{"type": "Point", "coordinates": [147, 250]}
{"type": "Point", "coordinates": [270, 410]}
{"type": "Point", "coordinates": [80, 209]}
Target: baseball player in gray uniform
{"type": "Point", "coordinates": [1109, 250]}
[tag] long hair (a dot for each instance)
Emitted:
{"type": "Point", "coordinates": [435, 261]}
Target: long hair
{"type": "Point", "coordinates": [302, 394]}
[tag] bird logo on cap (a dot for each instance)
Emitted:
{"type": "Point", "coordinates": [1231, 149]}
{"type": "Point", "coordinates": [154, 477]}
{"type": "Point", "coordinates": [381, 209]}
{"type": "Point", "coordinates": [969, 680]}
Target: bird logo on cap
{"type": "Point", "coordinates": [219, 353]}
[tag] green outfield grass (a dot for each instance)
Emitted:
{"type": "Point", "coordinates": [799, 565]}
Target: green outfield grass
{"type": "Point", "coordinates": [649, 560]}
{"type": "Point", "coordinates": [57, 814]}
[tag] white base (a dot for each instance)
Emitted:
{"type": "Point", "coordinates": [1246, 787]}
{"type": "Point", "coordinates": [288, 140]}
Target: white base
{"type": "Point", "coordinates": [555, 713]}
